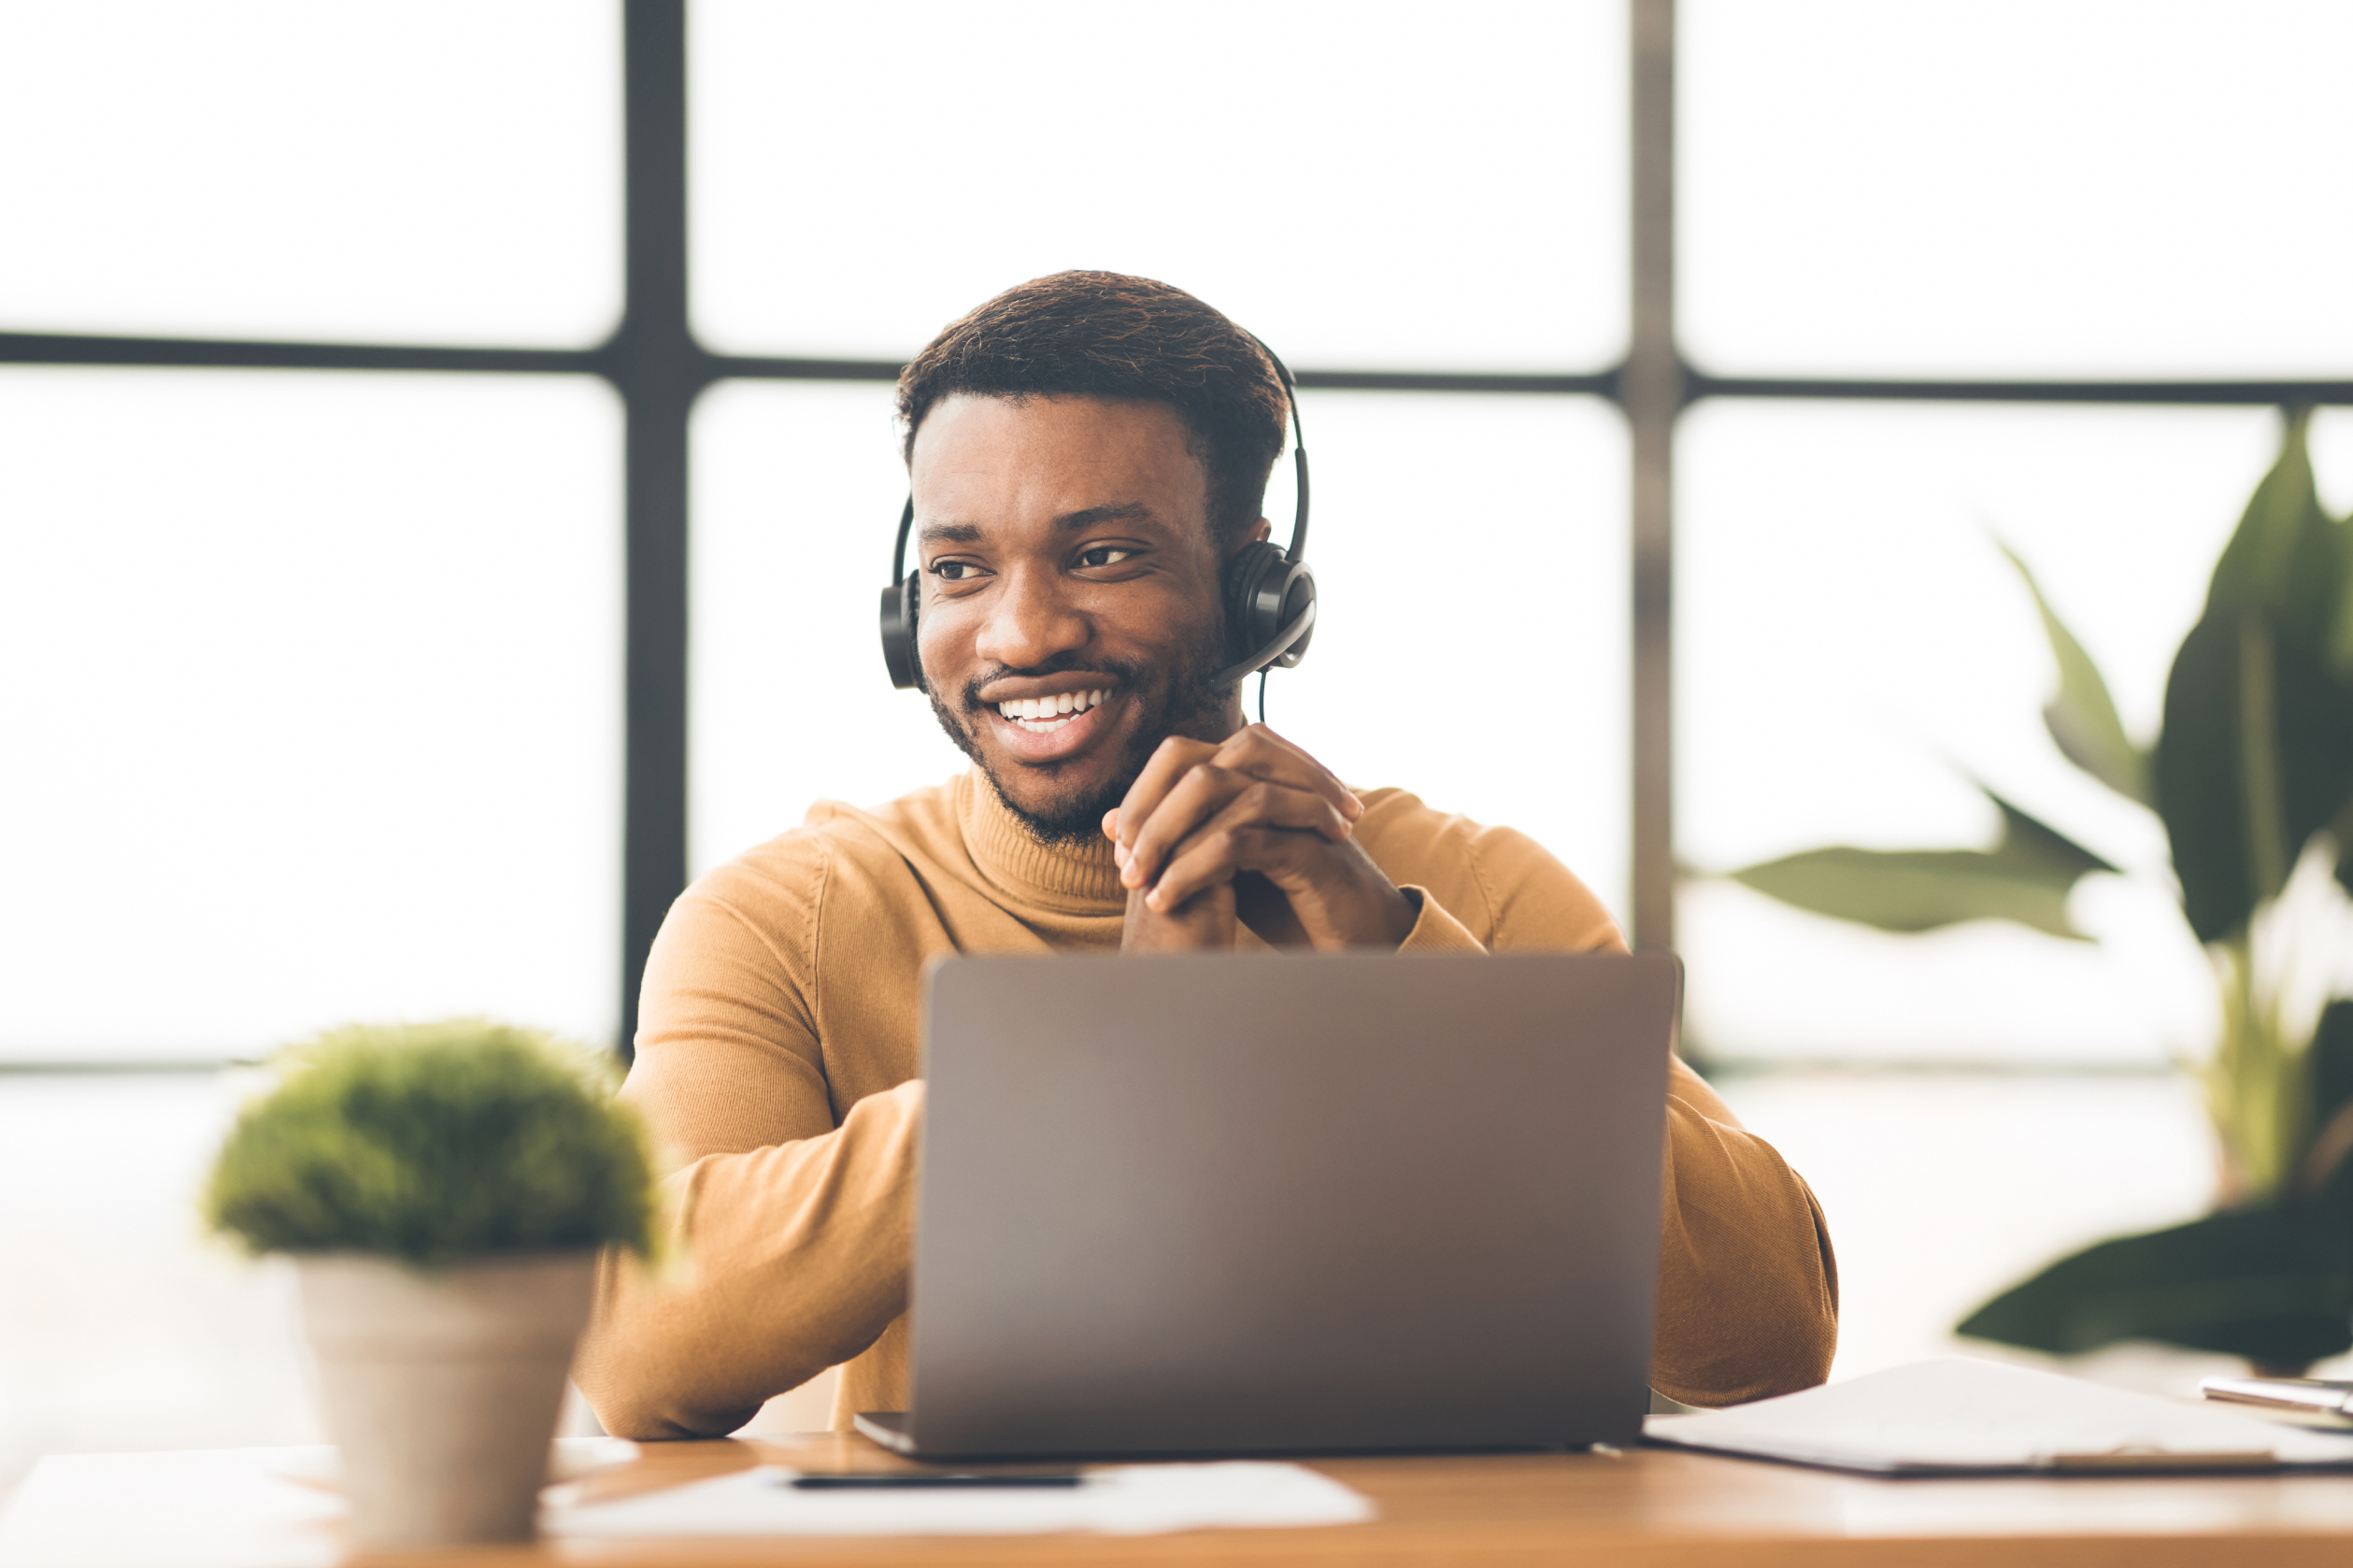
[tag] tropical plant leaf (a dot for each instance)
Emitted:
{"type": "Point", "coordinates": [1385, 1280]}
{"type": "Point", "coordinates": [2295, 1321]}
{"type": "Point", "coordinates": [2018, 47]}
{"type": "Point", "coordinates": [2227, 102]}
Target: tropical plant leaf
{"type": "Point", "coordinates": [2257, 565]}
{"type": "Point", "coordinates": [2199, 776]}
{"type": "Point", "coordinates": [2329, 1061]}
{"type": "Point", "coordinates": [2257, 749]}
{"type": "Point", "coordinates": [2317, 609]}
{"type": "Point", "coordinates": [1917, 890]}
{"type": "Point", "coordinates": [2030, 840]}
{"type": "Point", "coordinates": [2316, 744]}
{"type": "Point", "coordinates": [2256, 757]}
{"type": "Point", "coordinates": [2325, 1162]}
{"type": "Point", "coordinates": [2273, 1285]}
{"type": "Point", "coordinates": [2341, 831]}
{"type": "Point", "coordinates": [2290, 558]}
{"type": "Point", "coordinates": [2080, 715]}
{"type": "Point", "coordinates": [2026, 878]}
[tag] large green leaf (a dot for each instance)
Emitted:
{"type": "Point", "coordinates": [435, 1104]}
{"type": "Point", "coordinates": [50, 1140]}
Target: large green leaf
{"type": "Point", "coordinates": [2257, 749]}
{"type": "Point", "coordinates": [2081, 715]}
{"type": "Point", "coordinates": [2256, 756]}
{"type": "Point", "coordinates": [2316, 611]}
{"type": "Point", "coordinates": [2274, 1284]}
{"type": "Point", "coordinates": [2341, 831]}
{"type": "Point", "coordinates": [2324, 1163]}
{"type": "Point", "coordinates": [2028, 840]}
{"type": "Point", "coordinates": [2257, 565]}
{"type": "Point", "coordinates": [2289, 558]}
{"type": "Point", "coordinates": [2316, 743]}
{"type": "Point", "coordinates": [2329, 1062]}
{"type": "Point", "coordinates": [2025, 878]}
{"type": "Point", "coordinates": [1915, 890]}
{"type": "Point", "coordinates": [2225, 866]}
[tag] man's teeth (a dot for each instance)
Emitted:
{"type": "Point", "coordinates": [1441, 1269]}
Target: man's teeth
{"type": "Point", "coordinates": [1040, 715]}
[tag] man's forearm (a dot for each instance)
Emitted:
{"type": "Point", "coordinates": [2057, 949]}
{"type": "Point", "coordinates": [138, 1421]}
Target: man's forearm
{"type": "Point", "coordinates": [785, 1261]}
{"type": "Point", "coordinates": [1747, 1282]}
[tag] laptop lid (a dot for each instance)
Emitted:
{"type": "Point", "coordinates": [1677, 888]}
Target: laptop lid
{"type": "Point", "coordinates": [1224, 1204]}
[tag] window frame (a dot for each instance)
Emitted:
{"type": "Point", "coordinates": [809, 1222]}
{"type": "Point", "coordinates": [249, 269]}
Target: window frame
{"type": "Point", "coordinates": [655, 363]}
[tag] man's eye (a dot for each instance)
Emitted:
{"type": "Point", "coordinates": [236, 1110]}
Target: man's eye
{"type": "Point", "coordinates": [950, 571]}
{"type": "Point", "coordinates": [1103, 555]}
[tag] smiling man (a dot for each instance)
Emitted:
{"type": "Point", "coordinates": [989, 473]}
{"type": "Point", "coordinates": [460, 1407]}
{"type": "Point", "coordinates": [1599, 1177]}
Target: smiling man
{"type": "Point", "coordinates": [1088, 453]}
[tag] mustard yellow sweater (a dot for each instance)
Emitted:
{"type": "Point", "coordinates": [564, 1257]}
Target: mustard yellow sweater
{"type": "Point", "coordinates": [777, 1060]}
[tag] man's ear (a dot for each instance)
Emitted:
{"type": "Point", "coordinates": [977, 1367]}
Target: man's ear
{"type": "Point", "coordinates": [1260, 533]}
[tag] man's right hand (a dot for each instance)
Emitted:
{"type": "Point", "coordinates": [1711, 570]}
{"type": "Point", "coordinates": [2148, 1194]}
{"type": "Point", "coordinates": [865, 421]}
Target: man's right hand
{"type": "Point", "coordinates": [1205, 922]}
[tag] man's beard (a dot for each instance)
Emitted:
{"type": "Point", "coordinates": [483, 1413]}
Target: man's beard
{"type": "Point", "coordinates": [1186, 705]}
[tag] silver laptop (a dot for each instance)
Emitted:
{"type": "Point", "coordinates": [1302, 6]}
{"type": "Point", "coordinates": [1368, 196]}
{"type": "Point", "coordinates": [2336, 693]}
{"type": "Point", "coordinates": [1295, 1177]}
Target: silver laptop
{"type": "Point", "coordinates": [1282, 1204]}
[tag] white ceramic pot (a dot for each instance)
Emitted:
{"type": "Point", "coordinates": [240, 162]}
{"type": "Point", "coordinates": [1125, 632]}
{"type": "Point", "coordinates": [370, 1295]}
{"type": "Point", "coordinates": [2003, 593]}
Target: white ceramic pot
{"type": "Point", "coordinates": [442, 1388]}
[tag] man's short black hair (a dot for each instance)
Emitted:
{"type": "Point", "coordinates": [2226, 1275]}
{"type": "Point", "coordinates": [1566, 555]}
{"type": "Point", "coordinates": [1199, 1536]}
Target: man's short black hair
{"type": "Point", "coordinates": [1106, 335]}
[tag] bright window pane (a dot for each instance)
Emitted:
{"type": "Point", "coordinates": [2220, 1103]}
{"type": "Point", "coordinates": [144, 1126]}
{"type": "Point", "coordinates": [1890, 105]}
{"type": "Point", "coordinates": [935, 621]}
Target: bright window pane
{"type": "Point", "coordinates": [1435, 666]}
{"type": "Point", "coordinates": [1853, 649]}
{"type": "Point", "coordinates": [425, 170]}
{"type": "Point", "coordinates": [1359, 186]}
{"type": "Point", "coordinates": [123, 1326]}
{"type": "Point", "coordinates": [2012, 186]}
{"type": "Point", "coordinates": [1942, 1189]}
{"type": "Point", "coordinates": [1471, 641]}
{"type": "Point", "coordinates": [797, 489]}
{"type": "Point", "coordinates": [313, 686]}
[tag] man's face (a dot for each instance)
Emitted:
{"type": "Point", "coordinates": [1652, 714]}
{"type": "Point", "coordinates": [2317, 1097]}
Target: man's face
{"type": "Point", "coordinates": [1068, 576]}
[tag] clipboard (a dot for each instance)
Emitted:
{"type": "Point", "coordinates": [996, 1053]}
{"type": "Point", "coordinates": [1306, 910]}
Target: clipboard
{"type": "Point", "coordinates": [1960, 1416]}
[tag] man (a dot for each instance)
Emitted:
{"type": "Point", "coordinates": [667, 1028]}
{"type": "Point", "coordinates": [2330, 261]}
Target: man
{"type": "Point", "coordinates": [1087, 452]}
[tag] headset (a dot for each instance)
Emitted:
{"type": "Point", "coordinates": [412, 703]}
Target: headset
{"type": "Point", "coordinates": [1270, 593]}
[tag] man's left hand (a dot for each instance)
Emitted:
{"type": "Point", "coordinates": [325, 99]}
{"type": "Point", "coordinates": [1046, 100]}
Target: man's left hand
{"type": "Point", "coordinates": [1257, 807]}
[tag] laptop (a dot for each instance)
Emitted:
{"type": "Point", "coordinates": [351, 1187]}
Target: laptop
{"type": "Point", "coordinates": [1228, 1204]}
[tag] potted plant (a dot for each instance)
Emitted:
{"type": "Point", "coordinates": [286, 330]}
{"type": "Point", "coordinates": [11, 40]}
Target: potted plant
{"type": "Point", "coordinates": [444, 1189]}
{"type": "Point", "coordinates": [2252, 778]}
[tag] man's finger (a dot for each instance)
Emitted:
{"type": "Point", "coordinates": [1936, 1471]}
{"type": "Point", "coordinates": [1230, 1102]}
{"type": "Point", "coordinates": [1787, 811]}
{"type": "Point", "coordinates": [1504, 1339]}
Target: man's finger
{"type": "Point", "coordinates": [1204, 792]}
{"type": "Point", "coordinates": [1168, 763]}
{"type": "Point", "coordinates": [1271, 832]}
{"type": "Point", "coordinates": [1217, 857]}
{"type": "Point", "coordinates": [1255, 749]}
{"type": "Point", "coordinates": [1259, 755]}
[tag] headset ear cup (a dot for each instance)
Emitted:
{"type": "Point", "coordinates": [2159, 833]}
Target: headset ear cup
{"type": "Point", "coordinates": [1248, 622]}
{"type": "Point", "coordinates": [1299, 591]}
{"type": "Point", "coordinates": [1266, 590]}
{"type": "Point", "coordinates": [899, 650]}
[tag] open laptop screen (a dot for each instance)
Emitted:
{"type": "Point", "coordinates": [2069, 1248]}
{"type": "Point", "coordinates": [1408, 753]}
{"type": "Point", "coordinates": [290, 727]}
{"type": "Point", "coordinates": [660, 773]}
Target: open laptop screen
{"type": "Point", "coordinates": [1288, 1202]}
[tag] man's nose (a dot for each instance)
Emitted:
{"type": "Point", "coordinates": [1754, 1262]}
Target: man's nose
{"type": "Point", "coordinates": [1032, 620]}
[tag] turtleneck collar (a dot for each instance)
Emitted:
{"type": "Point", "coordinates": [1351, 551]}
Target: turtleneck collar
{"type": "Point", "coordinates": [1078, 880]}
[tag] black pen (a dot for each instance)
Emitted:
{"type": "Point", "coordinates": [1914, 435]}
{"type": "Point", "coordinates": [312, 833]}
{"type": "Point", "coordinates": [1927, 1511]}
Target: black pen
{"type": "Point", "coordinates": [891, 1480]}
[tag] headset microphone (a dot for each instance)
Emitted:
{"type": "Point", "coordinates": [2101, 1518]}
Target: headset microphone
{"type": "Point", "coordinates": [1270, 593]}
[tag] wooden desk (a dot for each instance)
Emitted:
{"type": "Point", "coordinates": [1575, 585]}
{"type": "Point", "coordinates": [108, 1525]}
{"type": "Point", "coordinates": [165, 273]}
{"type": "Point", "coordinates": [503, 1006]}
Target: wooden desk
{"type": "Point", "coordinates": [1649, 1509]}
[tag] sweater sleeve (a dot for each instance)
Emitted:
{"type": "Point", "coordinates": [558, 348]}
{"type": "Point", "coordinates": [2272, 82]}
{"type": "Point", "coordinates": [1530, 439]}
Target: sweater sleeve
{"type": "Point", "coordinates": [788, 1236]}
{"type": "Point", "coordinates": [1747, 1282]}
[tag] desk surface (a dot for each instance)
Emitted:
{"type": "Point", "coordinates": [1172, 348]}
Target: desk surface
{"type": "Point", "coordinates": [1651, 1507]}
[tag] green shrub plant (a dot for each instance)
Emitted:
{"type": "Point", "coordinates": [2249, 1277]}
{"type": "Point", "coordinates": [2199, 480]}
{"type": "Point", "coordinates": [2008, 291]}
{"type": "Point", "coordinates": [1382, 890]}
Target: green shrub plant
{"type": "Point", "coordinates": [435, 1144]}
{"type": "Point", "coordinates": [2252, 777]}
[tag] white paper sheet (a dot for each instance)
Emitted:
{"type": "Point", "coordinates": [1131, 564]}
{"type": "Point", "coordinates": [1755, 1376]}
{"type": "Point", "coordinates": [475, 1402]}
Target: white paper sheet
{"type": "Point", "coordinates": [1960, 1414]}
{"type": "Point", "coordinates": [1118, 1499]}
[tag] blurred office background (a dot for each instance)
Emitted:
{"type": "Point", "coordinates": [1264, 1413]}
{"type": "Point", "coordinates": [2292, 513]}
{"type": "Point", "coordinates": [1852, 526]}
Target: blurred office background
{"type": "Point", "coordinates": [316, 662]}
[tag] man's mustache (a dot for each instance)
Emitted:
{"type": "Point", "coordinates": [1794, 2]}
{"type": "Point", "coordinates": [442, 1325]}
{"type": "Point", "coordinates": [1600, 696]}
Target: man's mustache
{"type": "Point", "coordinates": [1126, 672]}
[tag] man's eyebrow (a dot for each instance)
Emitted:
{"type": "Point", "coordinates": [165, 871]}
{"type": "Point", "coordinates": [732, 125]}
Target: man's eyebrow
{"type": "Point", "coordinates": [1069, 522]}
{"type": "Point", "coordinates": [1122, 511]}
